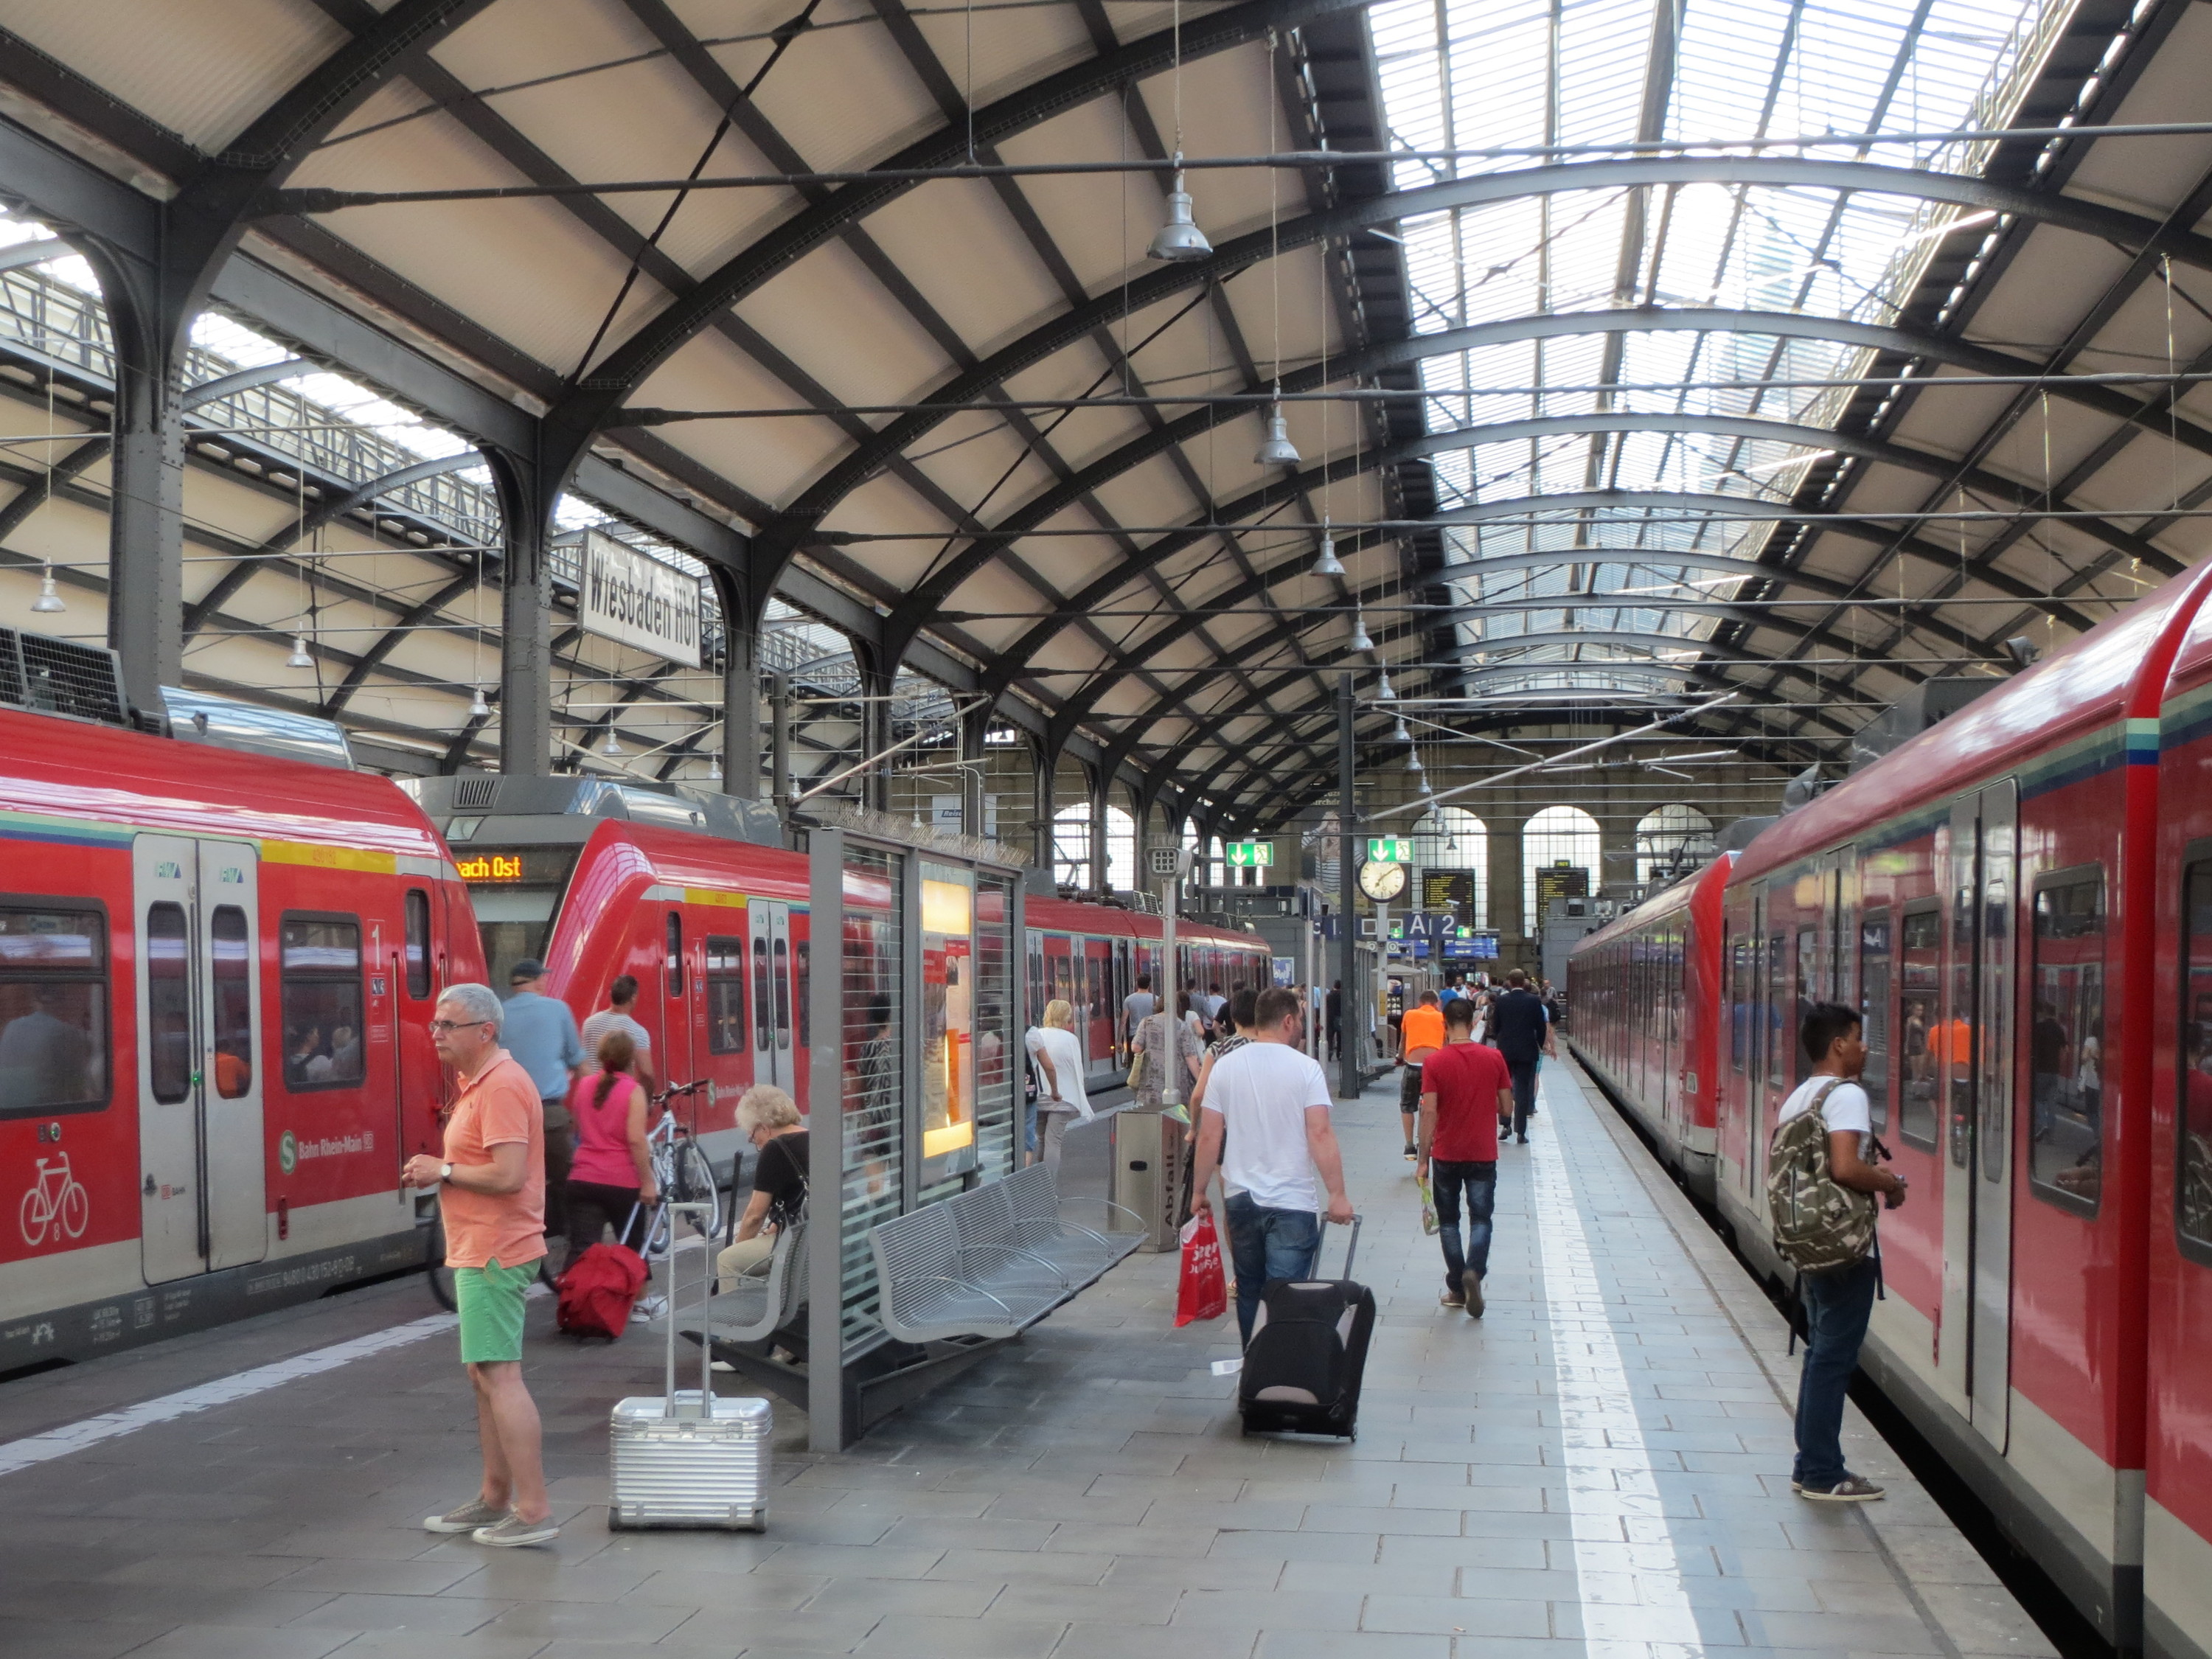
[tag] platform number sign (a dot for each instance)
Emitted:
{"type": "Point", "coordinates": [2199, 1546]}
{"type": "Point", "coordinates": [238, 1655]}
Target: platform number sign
{"type": "Point", "coordinates": [1389, 849]}
{"type": "Point", "coordinates": [1248, 855]}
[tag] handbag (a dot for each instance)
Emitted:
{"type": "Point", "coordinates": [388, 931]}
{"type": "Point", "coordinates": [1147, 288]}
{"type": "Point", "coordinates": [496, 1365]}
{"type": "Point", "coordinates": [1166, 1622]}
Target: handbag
{"type": "Point", "coordinates": [1141, 1069]}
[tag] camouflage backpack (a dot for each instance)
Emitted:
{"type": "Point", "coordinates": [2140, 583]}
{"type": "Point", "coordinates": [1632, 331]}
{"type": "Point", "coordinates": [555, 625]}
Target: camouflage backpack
{"type": "Point", "coordinates": [1818, 1224]}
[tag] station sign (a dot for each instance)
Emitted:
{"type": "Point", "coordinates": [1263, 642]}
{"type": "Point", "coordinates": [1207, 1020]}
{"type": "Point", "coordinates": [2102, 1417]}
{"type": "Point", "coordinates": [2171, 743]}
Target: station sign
{"type": "Point", "coordinates": [1389, 849]}
{"type": "Point", "coordinates": [638, 601]}
{"type": "Point", "coordinates": [1248, 855]}
{"type": "Point", "coordinates": [1450, 892]}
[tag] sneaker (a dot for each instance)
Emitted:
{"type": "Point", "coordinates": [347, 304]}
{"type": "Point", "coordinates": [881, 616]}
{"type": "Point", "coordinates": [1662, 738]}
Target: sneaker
{"type": "Point", "coordinates": [513, 1533]}
{"type": "Point", "coordinates": [1475, 1303]}
{"type": "Point", "coordinates": [1851, 1489]}
{"type": "Point", "coordinates": [647, 1309]}
{"type": "Point", "coordinates": [1412, 1150]}
{"type": "Point", "coordinates": [1521, 1139]}
{"type": "Point", "coordinates": [471, 1515]}
{"type": "Point", "coordinates": [1451, 1300]}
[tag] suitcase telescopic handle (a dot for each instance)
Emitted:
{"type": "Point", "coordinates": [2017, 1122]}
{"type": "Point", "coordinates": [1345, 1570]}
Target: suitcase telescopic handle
{"type": "Point", "coordinates": [1351, 1244]}
{"type": "Point", "coordinates": [698, 1211]}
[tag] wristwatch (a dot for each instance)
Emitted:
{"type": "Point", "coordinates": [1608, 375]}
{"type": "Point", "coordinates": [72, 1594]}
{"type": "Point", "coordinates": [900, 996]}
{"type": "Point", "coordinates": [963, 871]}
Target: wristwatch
{"type": "Point", "coordinates": [445, 1174]}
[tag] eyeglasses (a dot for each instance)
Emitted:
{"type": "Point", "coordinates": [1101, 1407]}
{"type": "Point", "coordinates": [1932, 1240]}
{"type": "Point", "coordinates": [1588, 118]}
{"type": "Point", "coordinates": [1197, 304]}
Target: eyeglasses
{"type": "Point", "coordinates": [440, 1026]}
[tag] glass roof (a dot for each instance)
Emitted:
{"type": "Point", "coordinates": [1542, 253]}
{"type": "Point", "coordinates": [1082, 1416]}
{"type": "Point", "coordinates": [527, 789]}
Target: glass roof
{"type": "Point", "coordinates": [1456, 74]}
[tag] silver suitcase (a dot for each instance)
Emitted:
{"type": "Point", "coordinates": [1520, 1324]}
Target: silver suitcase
{"type": "Point", "coordinates": [683, 1458]}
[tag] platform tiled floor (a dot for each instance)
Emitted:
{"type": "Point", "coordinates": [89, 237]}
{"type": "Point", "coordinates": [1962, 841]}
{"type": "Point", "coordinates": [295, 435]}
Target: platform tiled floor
{"type": "Point", "coordinates": [1599, 1466]}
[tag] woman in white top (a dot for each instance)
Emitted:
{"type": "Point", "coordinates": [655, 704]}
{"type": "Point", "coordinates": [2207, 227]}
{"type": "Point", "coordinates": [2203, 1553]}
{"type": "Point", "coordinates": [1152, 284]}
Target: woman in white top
{"type": "Point", "coordinates": [1059, 1060]}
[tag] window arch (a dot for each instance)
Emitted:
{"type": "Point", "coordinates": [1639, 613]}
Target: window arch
{"type": "Point", "coordinates": [1557, 833]}
{"type": "Point", "coordinates": [1453, 838]}
{"type": "Point", "coordinates": [1120, 849]}
{"type": "Point", "coordinates": [1670, 841]}
{"type": "Point", "coordinates": [1070, 844]}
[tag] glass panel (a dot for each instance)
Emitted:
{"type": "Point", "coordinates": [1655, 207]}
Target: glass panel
{"type": "Point", "coordinates": [231, 961]}
{"type": "Point", "coordinates": [322, 1003]}
{"type": "Point", "coordinates": [418, 943]}
{"type": "Point", "coordinates": [1919, 996]}
{"type": "Point", "coordinates": [1875, 1011]}
{"type": "Point", "coordinates": [726, 995]}
{"type": "Point", "coordinates": [875, 1133]}
{"type": "Point", "coordinates": [763, 1027]}
{"type": "Point", "coordinates": [1779, 1042]}
{"type": "Point", "coordinates": [53, 1011]}
{"type": "Point", "coordinates": [320, 945]}
{"type": "Point", "coordinates": [2066, 1043]}
{"type": "Point", "coordinates": [782, 980]}
{"type": "Point", "coordinates": [168, 1003]}
{"type": "Point", "coordinates": [948, 1010]}
{"type": "Point", "coordinates": [996, 1039]}
{"type": "Point", "coordinates": [675, 954]}
{"type": "Point", "coordinates": [1807, 995]}
{"type": "Point", "coordinates": [1954, 1039]}
{"type": "Point", "coordinates": [51, 938]}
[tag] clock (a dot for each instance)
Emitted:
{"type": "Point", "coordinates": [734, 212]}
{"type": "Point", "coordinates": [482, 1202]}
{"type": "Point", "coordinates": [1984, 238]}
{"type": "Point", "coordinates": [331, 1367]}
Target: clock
{"type": "Point", "coordinates": [1381, 882]}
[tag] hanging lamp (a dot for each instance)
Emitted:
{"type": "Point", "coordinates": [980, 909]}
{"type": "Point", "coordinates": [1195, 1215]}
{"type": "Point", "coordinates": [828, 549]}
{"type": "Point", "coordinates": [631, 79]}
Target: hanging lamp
{"type": "Point", "coordinates": [1384, 691]}
{"type": "Point", "coordinates": [49, 603]}
{"type": "Point", "coordinates": [478, 709]}
{"type": "Point", "coordinates": [714, 769]}
{"type": "Point", "coordinates": [1398, 731]}
{"type": "Point", "coordinates": [1412, 760]}
{"type": "Point", "coordinates": [1359, 640]}
{"type": "Point", "coordinates": [299, 659]}
{"type": "Point", "coordinates": [1179, 239]}
{"type": "Point", "coordinates": [1326, 563]}
{"type": "Point", "coordinates": [1277, 450]}
{"type": "Point", "coordinates": [614, 749]}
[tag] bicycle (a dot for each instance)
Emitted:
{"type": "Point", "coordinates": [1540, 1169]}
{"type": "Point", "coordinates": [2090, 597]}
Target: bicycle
{"type": "Point", "coordinates": [57, 1200]}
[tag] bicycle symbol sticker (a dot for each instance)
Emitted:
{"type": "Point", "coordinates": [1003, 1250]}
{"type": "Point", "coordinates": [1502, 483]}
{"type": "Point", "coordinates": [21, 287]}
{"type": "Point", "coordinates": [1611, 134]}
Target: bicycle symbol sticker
{"type": "Point", "coordinates": [57, 1200]}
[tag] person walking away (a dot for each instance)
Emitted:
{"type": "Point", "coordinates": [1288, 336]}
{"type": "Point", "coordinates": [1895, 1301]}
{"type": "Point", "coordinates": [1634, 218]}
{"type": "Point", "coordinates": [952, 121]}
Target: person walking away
{"type": "Point", "coordinates": [1466, 1093]}
{"type": "Point", "coordinates": [1239, 1016]}
{"type": "Point", "coordinates": [610, 1181]}
{"type": "Point", "coordinates": [768, 1118]}
{"type": "Point", "coordinates": [1421, 1034]}
{"type": "Point", "coordinates": [1523, 1035]}
{"type": "Point", "coordinates": [1333, 1014]}
{"type": "Point", "coordinates": [621, 1015]}
{"type": "Point", "coordinates": [1139, 1005]}
{"type": "Point", "coordinates": [542, 1036]}
{"type": "Point", "coordinates": [1838, 1301]}
{"type": "Point", "coordinates": [491, 1194]}
{"type": "Point", "coordinates": [1058, 1058]}
{"type": "Point", "coordinates": [1269, 1102]}
{"type": "Point", "coordinates": [1170, 1040]}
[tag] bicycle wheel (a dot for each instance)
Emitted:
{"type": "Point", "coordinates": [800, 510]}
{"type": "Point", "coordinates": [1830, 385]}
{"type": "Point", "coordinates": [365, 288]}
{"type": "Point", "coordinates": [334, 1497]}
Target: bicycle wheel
{"type": "Point", "coordinates": [435, 1270]}
{"type": "Point", "coordinates": [693, 1182]}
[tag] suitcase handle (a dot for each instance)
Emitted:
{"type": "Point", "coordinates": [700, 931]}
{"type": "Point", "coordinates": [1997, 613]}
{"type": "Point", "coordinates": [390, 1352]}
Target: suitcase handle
{"type": "Point", "coordinates": [706, 1304]}
{"type": "Point", "coordinates": [1351, 1245]}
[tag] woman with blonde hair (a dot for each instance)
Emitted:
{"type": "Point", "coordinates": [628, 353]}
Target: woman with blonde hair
{"type": "Point", "coordinates": [770, 1120]}
{"type": "Point", "coordinates": [1058, 1058]}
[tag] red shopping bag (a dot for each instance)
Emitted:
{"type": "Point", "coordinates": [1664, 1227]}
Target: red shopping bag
{"type": "Point", "coordinates": [1203, 1293]}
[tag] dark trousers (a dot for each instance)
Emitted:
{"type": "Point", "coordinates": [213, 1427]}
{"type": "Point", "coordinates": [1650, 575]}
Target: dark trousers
{"type": "Point", "coordinates": [560, 1153]}
{"type": "Point", "coordinates": [1838, 1304]}
{"type": "Point", "coordinates": [1524, 1093]}
{"type": "Point", "coordinates": [593, 1208]}
{"type": "Point", "coordinates": [1409, 1092]}
{"type": "Point", "coordinates": [1264, 1244]}
{"type": "Point", "coordinates": [1479, 1181]}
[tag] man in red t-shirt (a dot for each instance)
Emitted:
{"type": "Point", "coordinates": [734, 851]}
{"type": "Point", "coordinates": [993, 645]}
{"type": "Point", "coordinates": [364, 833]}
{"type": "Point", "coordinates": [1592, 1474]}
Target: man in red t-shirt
{"type": "Point", "coordinates": [1466, 1088]}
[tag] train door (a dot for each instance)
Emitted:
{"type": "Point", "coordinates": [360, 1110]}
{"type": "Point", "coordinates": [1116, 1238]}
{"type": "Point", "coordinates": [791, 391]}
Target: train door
{"type": "Point", "coordinates": [1974, 1047]}
{"type": "Point", "coordinates": [672, 1048]}
{"type": "Point", "coordinates": [774, 1059]}
{"type": "Point", "coordinates": [202, 1188]}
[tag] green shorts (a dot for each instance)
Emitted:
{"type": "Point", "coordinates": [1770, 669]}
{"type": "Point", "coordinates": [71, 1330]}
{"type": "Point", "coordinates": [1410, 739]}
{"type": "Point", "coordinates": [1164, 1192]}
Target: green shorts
{"type": "Point", "coordinates": [490, 1302]}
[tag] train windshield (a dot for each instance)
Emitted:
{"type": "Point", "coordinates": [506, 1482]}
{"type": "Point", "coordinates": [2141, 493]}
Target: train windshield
{"type": "Point", "coordinates": [516, 893]}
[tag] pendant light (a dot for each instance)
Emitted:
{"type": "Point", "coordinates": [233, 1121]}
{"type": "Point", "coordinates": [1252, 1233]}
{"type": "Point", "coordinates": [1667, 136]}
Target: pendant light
{"type": "Point", "coordinates": [49, 603]}
{"type": "Point", "coordinates": [614, 750]}
{"type": "Point", "coordinates": [1384, 691]}
{"type": "Point", "coordinates": [1412, 760]}
{"type": "Point", "coordinates": [299, 659]}
{"type": "Point", "coordinates": [1359, 640]}
{"type": "Point", "coordinates": [1277, 450]}
{"type": "Point", "coordinates": [714, 769]}
{"type": "Point", "coordinates": [1326, 563]}
{"type": "Point", "coordinates": [1398, 731]}
{"type": "Point", "coordinates": [1179, 239]}
{"type": "Point", "coordinates": [478, 709]}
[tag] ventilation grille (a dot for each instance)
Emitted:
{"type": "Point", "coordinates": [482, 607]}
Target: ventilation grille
{"type": "Point", "coordinates": [474, 794]}
{"type": "Point", "coordinates": [59, 677]}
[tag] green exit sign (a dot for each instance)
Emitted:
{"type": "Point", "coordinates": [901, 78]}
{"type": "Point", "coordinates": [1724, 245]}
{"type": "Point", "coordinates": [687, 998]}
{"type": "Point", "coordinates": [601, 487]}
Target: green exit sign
{"type": "Point", "coordinates": [1389, 849]}
{"type": "Point", "coordinates": [1248, 855]}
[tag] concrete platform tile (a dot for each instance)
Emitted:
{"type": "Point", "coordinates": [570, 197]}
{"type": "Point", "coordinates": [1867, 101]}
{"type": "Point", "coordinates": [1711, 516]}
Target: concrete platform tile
{"type": "Point", "coordinates": [69, 1638]}
{"type": "Point", "coordinates": [1169, 1575]}
{"type": "Point", "coordinates": [592, 1621]}
{"type": "Point", "coordinates": [1017, 1566]}
{"type": "Point", "coordinates": [1088, 1641]}
{"type": "Point", "coordinates": [425, 1615]}
{"type": "Point", "coordinates": [1085, 1538]}
{"type": "Point", "coordinates": [1354, 1644]}
{"type": "Point", "coordinates": [1093, 1603]}
{"type": "Point", "coordinates": [951, 1598]}
{"type": "Point", "coordinates": [1447, 1615]}
{"type": "Point", "coordinates": [907, 1637]}
{"type": "Point", "coordinates": [375, 1577]}
{"type": "Point", "coordinates": [1277, 1609]}
{"type": "Point", "coordinates": [840, 1561]}
{"type": "Point", "coordinates": [1304, 1546]}
{"type": "Point", "coordinates": [1874, 1633]}
{"type": "Point", "coordinates": [238, 1641]}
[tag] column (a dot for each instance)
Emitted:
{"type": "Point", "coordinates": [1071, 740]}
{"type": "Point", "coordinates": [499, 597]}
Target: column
{"type": "Point", "coordinates": [146, 507]}
{"type": "Point", "coordinates": [526, 666]}
{"type": "Point", "coordinates": [1100, 783]}
{"type": "Point", "coordinates": [1505, 882]}
{"type": "Point", "coordinates": [975, 729]}
{"type": "Point", "coordinates": [1043, 803]}
{"type": "Point", "coordinates": [741, 703]}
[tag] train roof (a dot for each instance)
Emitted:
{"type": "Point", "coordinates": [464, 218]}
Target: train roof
{"type": "Point", "coordinates": [694, 859]}
{"type": "Point", "coordinates": [59, 771]}
{"type": "Point", "coordinates": [2067, 696]}
{"type": "Point", "coordinates": [1679, 896]}
{"type": "Point", "coordinates": [1059, 915]}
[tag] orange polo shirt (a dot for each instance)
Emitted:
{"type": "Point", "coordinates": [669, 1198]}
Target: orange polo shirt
{"type": "Point", "coordinates": [498, 1108]}
{"type": "Point", "coordinates": [1424, 1028]}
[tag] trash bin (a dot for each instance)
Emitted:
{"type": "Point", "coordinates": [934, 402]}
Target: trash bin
{"type": "Point", "coordinates": [1149, 1150]}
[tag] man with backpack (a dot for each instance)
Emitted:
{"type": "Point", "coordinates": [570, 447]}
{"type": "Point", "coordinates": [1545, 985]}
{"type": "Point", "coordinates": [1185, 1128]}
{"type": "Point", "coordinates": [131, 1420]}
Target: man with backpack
{"type": "Point", "coordinates": [1820, 1185]}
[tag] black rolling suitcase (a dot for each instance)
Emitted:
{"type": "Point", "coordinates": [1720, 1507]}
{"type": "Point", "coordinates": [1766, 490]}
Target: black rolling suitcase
{"type": "Point", "coordinates": [1309, 1350]}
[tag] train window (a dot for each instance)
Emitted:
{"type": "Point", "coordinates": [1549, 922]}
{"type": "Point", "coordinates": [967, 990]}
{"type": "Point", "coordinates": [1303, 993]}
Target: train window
{"type": "Point", "coordinates": [320, 961]}
{"type": "Point", "coordinates": [803, 990]}
{"type": "Point", "coordinates": [2066, 1041]}
{"type": "Point", "coordinates": [675, 954]}
{"type": "Point", "coordinates": [53, 1011]}
{"type": "Point", "coordinates": [168, 1003]}
{"type": "Point", "coordinates": [764, 1033]}
{"type": "Point", "coordinates": [782, 981]}
{"type": "Point", "coordinates": [1739, 1000]}
{"type": "Point", "coordinates": [1779, 1040]}
{"type": "Point", "coordinates": [2192, 1195]}
{"type": "Point", "coordinates": [418, 943]}
{"type": "Point", "coordinates": [1808, 982]}
{"type": "Point", "coordinates": [726, 995]}
{"type": "Point", "coordinates": [231, 971]}
{"type": "Point", "coordinates": [1873, 1010]}
{"type": "Point", "coordinates": [1919, 992]}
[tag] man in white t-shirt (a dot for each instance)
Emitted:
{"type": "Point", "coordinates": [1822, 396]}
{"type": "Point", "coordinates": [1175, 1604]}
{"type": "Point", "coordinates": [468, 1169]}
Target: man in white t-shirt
{"type": "Point", "coordinates": [620, 1015]}
{"type": "Point", "coordinates": [1272, 1102]}
{"type": "Point", "coordinates": [1837, 1303]}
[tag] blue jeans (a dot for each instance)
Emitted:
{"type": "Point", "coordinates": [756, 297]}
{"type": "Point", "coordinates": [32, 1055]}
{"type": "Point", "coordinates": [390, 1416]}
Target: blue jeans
{"type": "Point", "coordinates": [1838, 1304]}
{"type": "Point", "coordinates": [1028, 1129]}
{"type": "Point", "coordinates": [1524, 1093]}
{"type": "Point", "coordinates": [1267, 1244]}
{"type": "Point", "coordinates": [1447, 1180]}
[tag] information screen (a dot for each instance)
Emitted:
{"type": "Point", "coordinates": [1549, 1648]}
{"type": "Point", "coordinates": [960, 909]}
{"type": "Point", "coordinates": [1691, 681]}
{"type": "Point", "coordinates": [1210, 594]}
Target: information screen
{"type": "Point", "coordinates": [514, 866]}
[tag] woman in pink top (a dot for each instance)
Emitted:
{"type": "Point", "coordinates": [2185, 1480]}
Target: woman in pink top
{"type": "Point", "coordinates": [612, 1175]}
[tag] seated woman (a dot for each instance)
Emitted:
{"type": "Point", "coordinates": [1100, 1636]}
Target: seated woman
{"type": "Point", "coordinates": [770, 1120]}
{"type": "Point", "coordinates": [610, 1181]}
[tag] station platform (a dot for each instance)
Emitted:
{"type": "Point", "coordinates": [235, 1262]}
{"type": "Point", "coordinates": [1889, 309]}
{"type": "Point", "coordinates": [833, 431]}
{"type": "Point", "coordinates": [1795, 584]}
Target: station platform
{"type": "Point", "coordinates": [1599, 1466]}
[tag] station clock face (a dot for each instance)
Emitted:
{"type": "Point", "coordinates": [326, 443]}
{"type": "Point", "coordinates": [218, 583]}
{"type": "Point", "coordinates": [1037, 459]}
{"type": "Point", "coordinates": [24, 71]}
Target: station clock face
{"type": "Point", "coordinates": [1381, 882]}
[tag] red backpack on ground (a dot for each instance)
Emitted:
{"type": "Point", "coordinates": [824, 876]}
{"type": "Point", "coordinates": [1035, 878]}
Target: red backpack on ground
{"type": "Point", "coordinates": [597, 1290]}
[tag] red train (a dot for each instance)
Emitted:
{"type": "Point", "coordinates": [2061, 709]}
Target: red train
{"type": "Point", "coordinates": [2020, 900]}
{"type": "Point", "coordinates": [217, 968]}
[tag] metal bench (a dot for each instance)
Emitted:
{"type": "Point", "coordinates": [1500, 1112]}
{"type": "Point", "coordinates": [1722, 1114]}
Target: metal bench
{"type": "Point", "coordinates": [989, 1263]}
{"type": "Point", "coordinates": [761, 1311]}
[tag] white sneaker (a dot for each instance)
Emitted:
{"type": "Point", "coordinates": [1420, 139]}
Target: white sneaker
{"type": "Point", "coordinates": [647, 1309]}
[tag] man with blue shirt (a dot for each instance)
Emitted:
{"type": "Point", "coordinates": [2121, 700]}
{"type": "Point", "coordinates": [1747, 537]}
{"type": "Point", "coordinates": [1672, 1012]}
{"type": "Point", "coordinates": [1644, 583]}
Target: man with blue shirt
{"type": "Point", "coordinates": [540, 1035]}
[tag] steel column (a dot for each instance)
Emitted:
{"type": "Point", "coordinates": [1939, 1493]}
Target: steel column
{"type": "Point", "coordinates": [1347, 867]}
{"type": "Point", "coordinates": [741, 708]}
{"type": "Point", "coordinates": [526, 666]}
